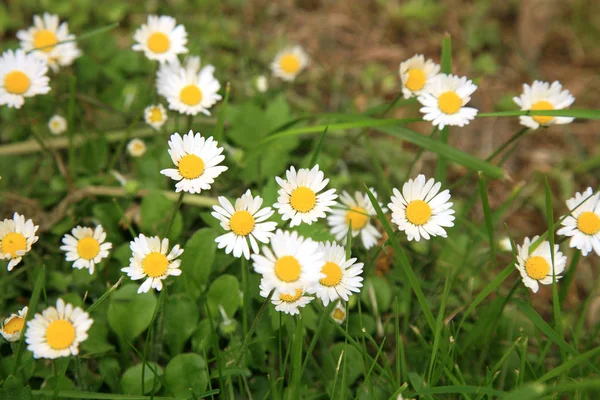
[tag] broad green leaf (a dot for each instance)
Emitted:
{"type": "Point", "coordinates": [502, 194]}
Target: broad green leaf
{"type": "Point", "coordinates": [130, 313]}
{"type": "Point", "coordinates": [13, 389]}
{"type": "Point", "coordinates": [186, 374]}
{"type": "Point", "coordinates": [180, 318]}
{"type": "Point", "coordinates": [156, 213]}
{"type": "Point", "coordinates": [202, 337]}
{"type": "Point", "coordinates": [197, 262]}
{"type": "Point", "coordinates": [224, 291]}
{"type": "Point", "coordinates": [379, 288]}
{"type": "Point", "coordinates": [111, 372]}
{"type": "Point", "coordinates": [355, 361]}
{"type": "Point", "coordinates": [131, 382]}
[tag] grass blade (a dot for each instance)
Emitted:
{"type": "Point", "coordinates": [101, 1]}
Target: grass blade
{"type": "Point", "coordinates": [487, 213]}
{"type": "Point", "coordinates": [318, 147]}
{"type": "Point", "coordinates": [566, 366]}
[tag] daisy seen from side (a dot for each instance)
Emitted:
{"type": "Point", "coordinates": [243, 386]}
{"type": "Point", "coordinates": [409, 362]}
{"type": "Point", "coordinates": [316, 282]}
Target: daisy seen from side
{"type": "Point", "coordinates": [17, 235]}
{"type": "Point", "coordinates": [415, 73]}
{"type": "Point", "coordinates": [544, 96]}
{"type": "Point", "coordinates": [86, 247]}
{"type": "Point", "coordinates": [535, 266]}
{"type": "Point", "coordinates": [582, 225]}
{"type": "Point", "coordinates": [160, 38]}
{"type": "Point", "coordinates": [12, 326]}
{"type": "Point", "coordinates": [287, 303]}
{"type": "Point", "coordinates": [338, 314]}
{"type": "Point", "coordinates": [289, 62]}
{"type": "Point", "coordinates": [21, 75]}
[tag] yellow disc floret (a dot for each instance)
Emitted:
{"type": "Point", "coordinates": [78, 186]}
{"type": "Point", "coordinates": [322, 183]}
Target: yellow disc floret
{"type": "Point", "coordinates": [416, 79]}
{"type": "Point", "coordinates": [449, 103]}
{"type": "Point", "coordinates": [542, 105]}
{"type": "Point", "coordinates": [287, 269]}
{"type": "Point", "coordinates": [158, 42]}
{"type": "Point", "coordinates": [333, 274]}
{"type": "Point", "coordinates": [588, 223]}
{"type": "Point", "coordinates": [191, 166]}
{"type": "Point", "coordinates": [13, 242]}
{"type": "Point", "coordinates": [191, 95]}
{"type": "Point", "coordinates": [155, 264]}
{"type": "Point", "coordinates": [289, 63]}
{"type": "Point", "coordinates": [60, 334]}
{"type": "Point", "coordinates": [418, 212]}
{"type": "Point", "coordinates": [303, 199]}
{"type": "Point", "coordinates": [44, 40]}
{"type": "Point", "coordinates": [537, 267]}
{"type": "Point", "coordinates": [358, 216]}
{"type": "Point", "coordinates": [88, 248]}
{"type": "Point", "coordinates": [16, 82]}
{"type": "Point", "coordinates": [242, 222]}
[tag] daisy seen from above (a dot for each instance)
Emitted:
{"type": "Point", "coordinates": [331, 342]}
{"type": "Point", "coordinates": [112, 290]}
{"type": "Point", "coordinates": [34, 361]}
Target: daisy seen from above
{"type": "Point", "coordinates": [160, 38]}
{"type": "Point", "coordinates": [136, 147]}
{"type": "Point", "coordinates": [544, 96]}
{"type": "Point", "coordinates": [415, 73]}
{"type": "Point", "coordinates": [21, 75]}
{"type": "Point", "coordinates": [12, 326]}
{"type": "Point", "coordinates": [289, 62]}
{"type": "Point", "coordinates": [57, 125]}
{"type": "Point", "coordinates": [583, 222]}
{"type": "Point", "coordinates": [287, 303]}
{"type": "Point", "coordinates": [86, 247]}
{"type": "Point", "coordinates": [535, 266]}
{"type": "Point", "coordinates": [155, 116]}
{"type": "Point", "coordinates": [16, 238]}
{"type": "Point", "coordinates": [191, 65]}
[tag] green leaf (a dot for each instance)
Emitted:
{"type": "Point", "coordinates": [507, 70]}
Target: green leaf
{"type": "Point", "coordinates": [130, 313]}
{"type": "Point", "coordinates": [132, 379]}
{"type": "Point", "coordinates": [13, 389]}
{"type": "Point", "coordinates": [186, 374]}
{"type": "Point", "coordinates": [354, 360]}
{"type": "Point", "coordinates": [202, 336]}
{"type": "Point", "coordinates": [382, 291]}
{"type": "Point", "coordinates": [156, 213]}
{"type": "Point", "coordinates": [224, 291]}
{"type": "Point", "coordinates": [197, 262]}
{"type": "Point", "coordinates": [111, 372]}
{"type": "Point", "coordinates": [180, 318]}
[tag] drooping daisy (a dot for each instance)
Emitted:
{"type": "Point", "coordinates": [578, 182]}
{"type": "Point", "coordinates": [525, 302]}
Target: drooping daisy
{"type": "Point", "coordinates": [197, 160]}
{"type": "Point", "coordinates": [421, 210]}
{"type": "Point", "coordinates": [155, 116]}
{"type": "Point", "coordinates": [287, 303]}
{"type": "Point", "coordinates": [136, 147]}
{"type": "Point", "coordinates": [57, 125]}
{"type": "Point", "coordinates": [444, 101]}
{"type": "Point", "coordinates": [160, 38]}
{"type": "Point", "coordinates": [583, 223]}
{"type": "Point", "coordinates": [191, 65]}
{"type": "Point", "coordinates": [415, 73]}
{"type": "Point", "coordinates": [86, 247]}
{"type": "Point", "coordinates": [341, 275]}
{"type": "Point", "coordinates": [544, 96]}
{"type": "Point", "coordinates": [291, 262]}
{"type": "Point", "coordinates": [151, 260]}
{"type": "Point", "coordinates": [245, 221]}
{"type": "Point", "coordinates": [358, 211]}
{"type": "Point", "coordinates": [13, 326]}
{"type": "Point", "coordinates": [289, 62]}
{"type": "Point", "coordinates": [16, 238]}
{"type": "Point", "coordinates": [41, 39]}
{"type": "Point", "coordinates": [536, 266]}
{"type": "Point", "coordinates": [299, 198]}
{"type": "Point", "coordinates": [338, 314]}
{"type": "Point", "coordinates": [21, 75]}
{"type": "Point", "coordinates": [261, 83]}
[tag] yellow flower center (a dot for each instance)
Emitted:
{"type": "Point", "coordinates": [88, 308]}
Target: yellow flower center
{"type": "Point", "coordinates": [155, 264]}
{"type": "Point", "coordinates": [357, 216]}
{"type": "Point", "coordinates": [542, 105]}
{"type": "Point", "coordinates": [44, 40]}
{"type": "Point", "coordinates": [158, 42]}
{"type": "Point", "coordinates": [14, 325]}
{"type": "Point", "coordinates": [190, 95]}
{"type": "Point", "coordinates": [449, 102]}
{"type": "Point", "coordinates": [339, 314]}
{"type": "Point", "coordinates": [60, 334]}
{"type": "Point", "coordinates": [138, 147]}
{"type": "Point", "coordinates": [13, 242]}
{"type": "Point", "coordinates": [416, 79]}
{"type": "Point", "coordinates": [156, 115]}
{"type": "Point", "coordinates": [287, 269]}
{"type": "Point", "coordinates": [16, 82]}
{"type": "Point", "coordinates": [191, 166]}
{"type": "Point", "coordinates": [290, 298]}
{"type": "Point", "coordinates": [333, 274]}
{"type": "Point", "coordinates": [588, 223]}
{"type": "Point", "coordinates": [242, 223]}
{"type": "Point", "coordinates": [418, 212]}
{"type": "Point", "coordinates": [303, 199]}
{"type": "Point", "coordinates": [537, 267]}
{"type": "Point", "coordinates": [289, 63]}
{"type": "Point", "coordinates": [88, 248]}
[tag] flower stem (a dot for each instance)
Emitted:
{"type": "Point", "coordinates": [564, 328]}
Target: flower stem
{"type": "Point", "coordinates": [253, 327]}
{"type": "Point", "coordinates": [174, 214]}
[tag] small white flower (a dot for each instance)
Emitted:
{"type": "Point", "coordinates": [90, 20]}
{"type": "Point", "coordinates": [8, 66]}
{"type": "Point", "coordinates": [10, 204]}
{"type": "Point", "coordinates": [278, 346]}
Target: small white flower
{"type": "Point", "coordinates": [421, 210]}
{"type": "Point", "coordinates": [13, 326]}
{"type": "Point", "coordinates": [151, 260]}
{"type": "Point", "coordinates": [262, 84]}
{"type": "Point", "coordinates": [299, 198]}
{"type": "Point", "coordinates": [444, 101]}
{"type": "Point", "coordinates": [16, 238]}
{"type": "Point", "coordinates": [57, 332]}
{"type": "Point", "coordinates": [136, 147]}
{"type": "Point", "coordinates": [338, 314]}
{"type": "Point", "coordinates": [21, 75]}
{"type": "Point", "coordinates": [155, 116]}
{"type": "Point", "coordinates": [245, 221]}
{"type": "Point", "coordinates": [415, 73]}
{"type": "Point", "coordinates": [191, 66]}
{"type": "Point", "coordinates": [57, 124]}
{"type": "Point", "coordinates": [160, 38]}
{"type": "Point", "coordinates": [289, 62]}
{"type": "Point", "coordinates": [544, 96]}
{"type": "Point", "coordinates": [86, 247]}
{"type": "Point", "coordinates": [197, 160]}
{"type": "Point", "coordinates": [287, 303]}
{"type": "Point", "coordinates": [536, 266]}
{"type": "Point", "coordinates": [583, 223]}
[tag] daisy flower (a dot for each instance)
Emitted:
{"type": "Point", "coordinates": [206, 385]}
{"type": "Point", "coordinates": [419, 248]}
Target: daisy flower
{"type": "Point", "coordinates": [197, 160]}
{"type": "Point", "coordinates": [16, 238]}
{"type": "Point", "coordinates": [299, 198]}
{"type": "Point", "coordinates": [57, 125]}
{"type": "Point", "coordinates": [583, 223]}
{"type": "Point", "coordinates": [13, 326]}
{"type": "Point", "coordinates": [244, 222]}
{"type": "Point", "coordinates": [86, 247]}
{"type": "Point", "coordinates": [42, 38]}
{"type": "Point", "coordinates": [421, 210]}
{"type": "Point", "coordinates": [152, 261]}
{"type": "Point", "coordinates": [536, 266]}
{"type": "Point", "coordinates": [136, 147]}
{"type": "Point", "coordinates": [358, 211]}
{"type": "Point", "coordinates": [338, 314]}
{"type": "Point", "coordinates": [415, 73]}
{"type": "Point", "coordinates": [444, 101]}
{"type": "Point", "coordinates": [287, 303]}
{"type": "Point", "coordinates": [191, 65]}
{"type": "Point", "coordinates": [544, 96]}
{"type": "Point", "coordinates": [289, 62]}
{"type": "Point", "coordinates": [21, 75]}
{"type": "Point", "coordinates": [261, 83]}
{"type": "Point", "coordinates": [341, 276]}
{"type": "Point", "coordinates": [291, 262]}
{"type": "Point", "coordinates": [155, 116]}
{"type": "Point", "coordinates": [160, 38]}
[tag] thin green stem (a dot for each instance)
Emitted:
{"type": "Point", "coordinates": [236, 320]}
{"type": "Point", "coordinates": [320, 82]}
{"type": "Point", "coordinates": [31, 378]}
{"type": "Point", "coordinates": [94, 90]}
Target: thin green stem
{"type": "Point", "coordinates": [174, 214]}
{"type": "Point", "coordinates": [253, 327]}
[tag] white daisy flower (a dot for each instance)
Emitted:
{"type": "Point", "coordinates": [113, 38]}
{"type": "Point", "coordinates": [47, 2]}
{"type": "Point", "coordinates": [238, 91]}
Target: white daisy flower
{"type": "Point", "coordinates": [338, 314]}
{"type": "Point", "coordinates": [197, 160]}
{"type": "Point", "coordinates": [544, 96]}
{"type": "Point", "coordinates": [155, 116]}
{"type": "Point", "coordinates": [261, 83]}
{"type": "Point", "coordinates": [291, 262]}
{"type": "Point", "coordinates": [160, 38]}
{"type": "Point", "coordinates": [191, 66]}
{"type": "Point", "coordinates": [341, 276]}
{"type": "Point", "coordinates": [289, 62]}
{"type": "Point", "coordinates": [358, 211]}
{"type": "Point", "coordinates": [16, 238]}
{"type": "Point", "coordinates": [287, 303]}
{"type": "Point", "coordinates": [21, 75]}
{"type": "Point", "coordinates": [583, 223]}
{"type": "Point", "coordinates": [13, 326]}
{"type": "Point", "coordinates": [57, 125]}
{"type": "Point", "coordinates": [136, 147]}
{"type": "Point", "coordinates": [415, 73]}
{"type": "Point", "coordinates": [41, 40]}
{"type": "Point", "coordinates": [86, 247]}
{"type": "Point", "coordinates": [444, 101]}
{"type": "Point", "coordinates": [536, 266]}
{"type": "Point", "coordinates": [299, 198]}
{"type": "Point", "coordinates": [244, 222]}
{"type": "Point", "coordinates": [151, 260]}
{"type": "Point", "coordinates": [421, 210]}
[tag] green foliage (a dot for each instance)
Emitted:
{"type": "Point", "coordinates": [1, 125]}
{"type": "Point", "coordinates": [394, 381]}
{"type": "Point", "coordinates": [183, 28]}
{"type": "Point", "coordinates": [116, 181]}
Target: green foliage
{"type": "Point", "coordinates": [125, 322]}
